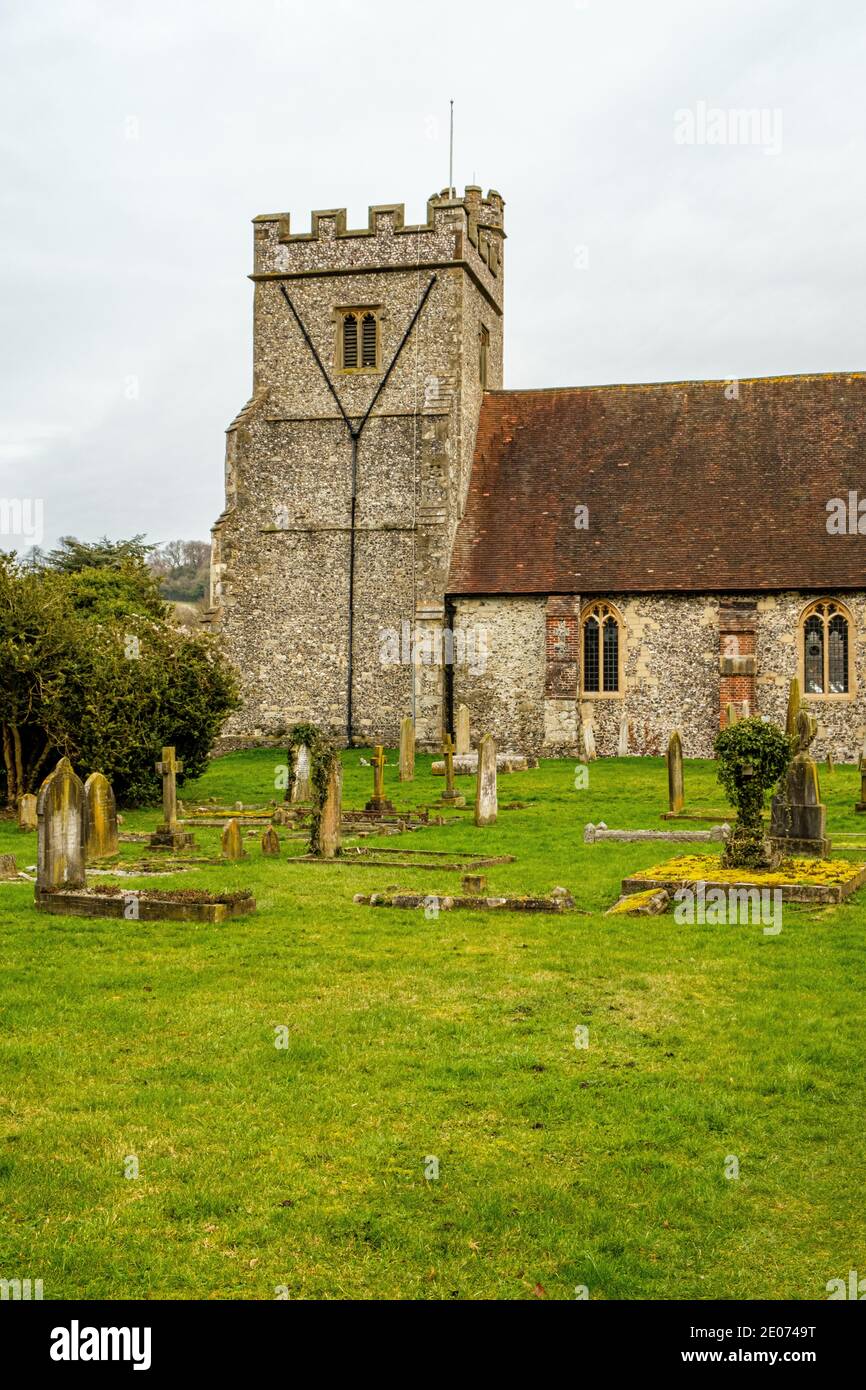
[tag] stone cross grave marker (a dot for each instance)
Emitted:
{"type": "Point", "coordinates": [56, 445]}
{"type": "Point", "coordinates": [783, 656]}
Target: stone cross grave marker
{"type": "Point", "coordinates": [378, 801]}
{"type": "Point", "coordinates": [462, 739]}
{"type": "Point", "coordinates": [60, 853]}
{"type": "Point", "coordinates": [486, 804]}
{"type": "Point", "coordinates": [301, 785]}
{"type": "Point", "coordinates": [27, 819]}
{"type": "Point", "coordinates": [232, 841]}
{"type": "Point", "coordinates": [450, 797]}
{"type": "Point", "coordinates": [407, 749]}
{"type": "Point", "coordinates": [169, 834]}
{"type": "Point", "coordinates": [100, 817]}
{"type": "Point", "coordinates": [676, 797]}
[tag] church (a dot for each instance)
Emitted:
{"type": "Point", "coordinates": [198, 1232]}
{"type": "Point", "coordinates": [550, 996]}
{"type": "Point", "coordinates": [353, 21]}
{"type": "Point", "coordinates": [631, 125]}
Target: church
{"type": "Point", "coordinates": [583, 567]}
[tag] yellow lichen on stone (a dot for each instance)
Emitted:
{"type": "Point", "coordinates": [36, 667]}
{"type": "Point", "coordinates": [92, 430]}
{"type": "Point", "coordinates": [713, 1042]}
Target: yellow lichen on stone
{"type": "Point", "coordinates": [694, 867]}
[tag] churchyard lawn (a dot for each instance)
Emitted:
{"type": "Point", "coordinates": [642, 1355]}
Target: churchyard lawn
{"type": "Point", "coordinates": [417, 1045]}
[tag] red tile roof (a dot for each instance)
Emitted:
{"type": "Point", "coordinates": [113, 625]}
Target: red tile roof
{"type": "Point", "coordinates": [686, 489]}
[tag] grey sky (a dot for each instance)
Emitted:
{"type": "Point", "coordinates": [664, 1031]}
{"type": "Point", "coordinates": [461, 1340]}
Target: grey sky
{"type": "Point", "coordinates": [140, 137]}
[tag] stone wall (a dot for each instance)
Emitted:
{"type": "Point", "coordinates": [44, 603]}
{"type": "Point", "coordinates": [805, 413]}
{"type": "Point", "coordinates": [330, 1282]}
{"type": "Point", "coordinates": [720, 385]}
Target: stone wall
{"type": "Point", "coordinates": [673, 674]}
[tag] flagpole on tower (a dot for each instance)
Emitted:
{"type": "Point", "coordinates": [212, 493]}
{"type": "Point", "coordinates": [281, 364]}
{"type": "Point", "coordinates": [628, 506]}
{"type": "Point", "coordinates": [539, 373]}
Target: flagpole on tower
{"type": "Point", "coordinates": [451, 155]}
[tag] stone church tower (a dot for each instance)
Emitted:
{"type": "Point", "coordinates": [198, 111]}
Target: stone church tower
{"type": "Point", "coordinates": [347, 471]}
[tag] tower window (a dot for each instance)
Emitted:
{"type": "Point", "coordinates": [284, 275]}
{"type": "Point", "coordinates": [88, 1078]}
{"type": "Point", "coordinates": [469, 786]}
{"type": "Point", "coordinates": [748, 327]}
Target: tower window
{"type": "Point", "coordinates": [358, 340]}
{"type": "Point", "coordinates": [483, 354]}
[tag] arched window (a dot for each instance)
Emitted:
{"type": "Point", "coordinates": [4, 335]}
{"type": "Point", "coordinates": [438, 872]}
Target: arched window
{"type": "Point", "coordinates": [602, 650]}
{"type": "Point", "coordinates": [358, 340]}
{"type": "Point", "coordinates": [825, 649]}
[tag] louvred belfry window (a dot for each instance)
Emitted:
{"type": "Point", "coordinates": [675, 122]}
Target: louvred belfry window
{"type": "Point", "coordinates": [350, 342]}
{"type": "Point", "coordinates": [368, 340]}
{"type": "Point", "coordinates": [358, 340]}
{"type": "Point", "coordinates": [824, 647]}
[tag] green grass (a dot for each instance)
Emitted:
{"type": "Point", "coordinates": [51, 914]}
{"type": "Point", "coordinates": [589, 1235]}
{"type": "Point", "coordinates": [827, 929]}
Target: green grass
{"type": "Point", "coordinates": [408, 1037]}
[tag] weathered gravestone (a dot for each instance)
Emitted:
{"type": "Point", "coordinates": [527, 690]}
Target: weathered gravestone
{"type": "Point", "coordinates": [169, 835]}
{"type": "Point", "coordinates": [861, 804]}
{"type": "Point", "coordinates": [462, 736]}
{"type": "Point", "coordinates": [8, 866]}
{"type": "Point", "coordinates": [587, 740]}
{"type": "Point", "coordinates": [450, 797]}
{"type": "Point", "coordinates": [325, 840]}
{"type": "Point", "coordinates": [622, 745]}
{"type": "Point", "coordinates": [378, 801]}
{"type": "Point", "coordinates": [486, 805]}
{"type": "Point", "coordinates": [798, 821]}
{"type": "Point", "coordinates": [100, 817]}
{"type": "Point", "coordinates": [27, 818]}
{"type": "Point", "coordinates": [270, 842]}
{"type": "Point", "coordinates": [60, 852]}
{"type": "Point", "coordinates": [301, 786]}
{"type": "Point", "coordinates": [232, 841]}
{"type": "Point", "coordinates": [676, 796]}
{"type": "Point", "coordinates": [407, 749]}
{"type": "Point", "coordinates": [793, 707]}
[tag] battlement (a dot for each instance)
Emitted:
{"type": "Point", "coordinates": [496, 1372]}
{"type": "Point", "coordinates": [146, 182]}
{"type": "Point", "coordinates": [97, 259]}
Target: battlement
{"type": "Point", "coordinates": [468, 228]}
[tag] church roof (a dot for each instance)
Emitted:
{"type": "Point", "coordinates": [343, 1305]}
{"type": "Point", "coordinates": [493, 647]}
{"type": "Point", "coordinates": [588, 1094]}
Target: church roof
{"type": "Point", "coordinates": [688, 487]}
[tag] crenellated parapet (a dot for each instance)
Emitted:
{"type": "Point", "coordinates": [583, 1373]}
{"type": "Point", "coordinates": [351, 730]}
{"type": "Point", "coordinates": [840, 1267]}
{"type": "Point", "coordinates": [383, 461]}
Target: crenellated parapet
{"type": "Point", "coordinates": [467, 230]}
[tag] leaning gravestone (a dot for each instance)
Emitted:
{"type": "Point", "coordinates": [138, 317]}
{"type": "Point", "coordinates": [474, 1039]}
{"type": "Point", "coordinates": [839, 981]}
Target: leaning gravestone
{"type": "Point", "coordinates": [407, 750]}
{"type": "Point", "coordinates": [486, 805]}
{"type": "Point", "coordinates": [301, 785]}
{"type": "Point", "coordinates": [100, 818]}
{"type": "Point", "coordinates": [232, 841]}
{"type": "Point", "coordinates": [462, 737]}
{"type": "Point", "coordinates": [60, 853]}
{"type": "Point", "coordinates": [798, 820]}
{"type": "Point", "coordinates": [27, 819]}
{"type": "Point", "coordinates": [676, 797]}
{"type": "Point", "coordinates": [325, 842]}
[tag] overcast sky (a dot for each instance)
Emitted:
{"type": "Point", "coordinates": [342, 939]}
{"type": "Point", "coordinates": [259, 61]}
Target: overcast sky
{"type": "Point", "coordinates": [139, 137]}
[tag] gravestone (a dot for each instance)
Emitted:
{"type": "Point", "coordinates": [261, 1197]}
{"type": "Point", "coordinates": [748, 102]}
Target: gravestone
{"type": "Point", "coordinates": [325, 842]}
{"type": "Point", "coordinates": [60, 809]}
{"type": "Point", "coordinates": [232, 841]}
{"type": "Point", "coordinates": [407, 749]}
{"type": "Point", "coordinates": [27, 819]}
{"type": "Point", "coordinates": [378, 801]}
{"type": "Point", "coordinates": [450, 797]}
{"type": "Point", "coordinates": [270, 842]}
{"type": "Point", "coordinates": [587, 737]}
{"type": "Point", "coordinates": [100, 817]}
{"type": "Point", "coordinates": [861, 804]}
{"type": "Point", "coordinates": [793, 708]}
{"type": "Point", "coordinates": [8, 866]}
{"type": "Point", "coordinates": [798, 820]}
{"type": "Point", "coordinates": [486, 805]}
{"type": "Point", "coordinates": [169, 835]}
{"type": "Point", "coordinates": [462, 738]}
{"type": "Point", "coordinates": [676, 797]}
{"type": "Point", "coordinates": [302, 789]}
{"type": "Point", "coordinates": [622, 745]}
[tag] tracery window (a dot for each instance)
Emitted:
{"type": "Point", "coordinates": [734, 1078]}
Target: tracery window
{"type": "Point", "coordinates": [825, 649]}
{"type": "Point", "coordinates": [602, 650]}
